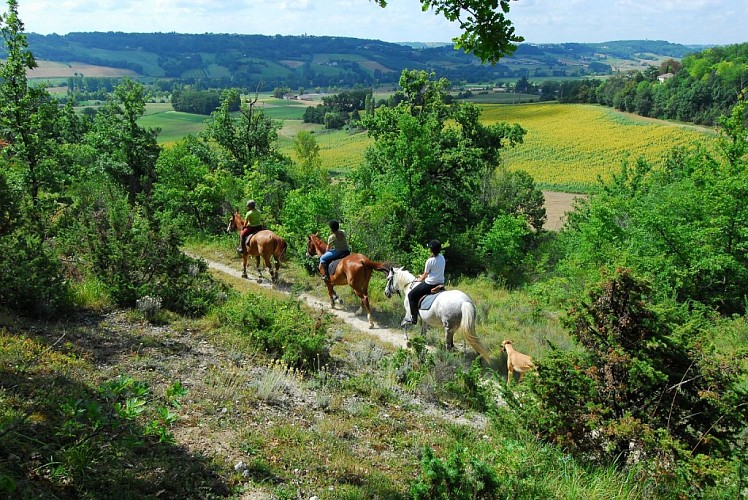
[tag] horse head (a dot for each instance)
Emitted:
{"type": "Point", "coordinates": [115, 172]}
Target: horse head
{"type": "Point", "coordinates": [310, 250]}
{"type": "Point", "coordinates": [235, 222]}
{"type": "Point", "coordinates": [314, 245]}
{"type": "Point", "coordinates": [393, 285]}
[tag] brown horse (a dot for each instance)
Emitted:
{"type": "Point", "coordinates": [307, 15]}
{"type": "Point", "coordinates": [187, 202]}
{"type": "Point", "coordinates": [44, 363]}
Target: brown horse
{"type": "Point", "coordinates": [354, 269]}
{"type": "Point", "coordinates": [265, 244]}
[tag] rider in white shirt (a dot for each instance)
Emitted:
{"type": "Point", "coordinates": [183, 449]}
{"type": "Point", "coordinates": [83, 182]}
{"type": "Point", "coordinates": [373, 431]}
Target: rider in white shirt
{"type": "Point", "coordinates": [432, 276]}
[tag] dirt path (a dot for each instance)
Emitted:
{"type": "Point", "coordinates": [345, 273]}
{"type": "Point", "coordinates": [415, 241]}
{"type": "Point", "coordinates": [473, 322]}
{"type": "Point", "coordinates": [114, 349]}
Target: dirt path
{"type": "Point", "coordinates": [394, 337]}
{"type": "Point", "coordinates": [557, 204]}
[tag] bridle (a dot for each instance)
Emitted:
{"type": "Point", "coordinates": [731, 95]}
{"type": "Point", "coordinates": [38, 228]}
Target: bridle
{"type": "Point", "coordinates": [389, 288]}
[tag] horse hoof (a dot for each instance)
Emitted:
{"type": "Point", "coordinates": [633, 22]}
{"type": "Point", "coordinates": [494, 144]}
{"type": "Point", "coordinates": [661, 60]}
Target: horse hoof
{"type": "Point", "coordinates": [244, 275]}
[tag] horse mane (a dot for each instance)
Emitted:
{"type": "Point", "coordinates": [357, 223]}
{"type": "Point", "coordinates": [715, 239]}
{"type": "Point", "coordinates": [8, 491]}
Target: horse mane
{"type": "Point", "coordinates": [404, 277]}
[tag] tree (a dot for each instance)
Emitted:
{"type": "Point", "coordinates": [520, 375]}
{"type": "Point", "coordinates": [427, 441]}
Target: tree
{"type": "Point", "coordinates": [431, 165]}
{"type": "Point", "coordinates": [248, 139]}
{"type": "Point", "coordinates": [487, 32]}
{"type": "Point", "coordinates": [191, 191]}
{"type": "Point", "coordinates": [27, 114]}
{"type": "Point", "coordinates": [127, 151]}
{"type": "Point", "coordinates": [306, 148]}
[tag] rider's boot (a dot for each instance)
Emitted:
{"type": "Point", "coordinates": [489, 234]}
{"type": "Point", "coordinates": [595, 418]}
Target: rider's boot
{"type": "Point", "coordinates": [325, 267]}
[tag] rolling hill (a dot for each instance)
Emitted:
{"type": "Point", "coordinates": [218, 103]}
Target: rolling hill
{"type": "Point", "coordinates": [223, 60]}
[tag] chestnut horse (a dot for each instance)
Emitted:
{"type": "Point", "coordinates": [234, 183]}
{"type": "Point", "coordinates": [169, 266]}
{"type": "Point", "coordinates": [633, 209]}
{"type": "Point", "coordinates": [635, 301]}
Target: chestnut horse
{"type": "Point", "coordinates": [354, 269]}
{"type": "Point", "coordinates": [265, 244]}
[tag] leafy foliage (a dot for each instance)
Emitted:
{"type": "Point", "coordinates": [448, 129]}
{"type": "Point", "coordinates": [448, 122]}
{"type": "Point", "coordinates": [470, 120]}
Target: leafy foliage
{"type": "Point", "coordinates": [133, 255]}
{"type": "Point", "coordinates": [32, 276]}
{"type": "Point", "coordinates": [192, 188]}
{"type": "Point", "coordinates": [279, 328]}
{"type": "Point", "coordinates": [426, 176]}
{"type": "Point", "coordinates": [645, 387]}
{"type": "Point", "coordinates": [249, 138]}
{"type": "Point", "coordinates": [457, 477]}
{"type": "Point", "coordinates": [486, 30]}
{"type": "Point", "coordinates": [125, 150]}
{"type": "Point", "coordinates": [684, 225]}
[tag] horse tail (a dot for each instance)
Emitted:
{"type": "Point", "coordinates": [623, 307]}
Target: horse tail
{"type": "Point", "coordinates": [376, 266]}
{"type": "Point", "coordinates": [467, 325]}
{"type": "Point", "coordinates": [280, 249]}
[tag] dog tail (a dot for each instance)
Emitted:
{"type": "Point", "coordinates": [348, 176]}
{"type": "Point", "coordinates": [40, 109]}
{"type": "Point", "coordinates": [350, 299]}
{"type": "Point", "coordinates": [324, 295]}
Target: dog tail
{"type": "Point", "coordinates": [467, 325]}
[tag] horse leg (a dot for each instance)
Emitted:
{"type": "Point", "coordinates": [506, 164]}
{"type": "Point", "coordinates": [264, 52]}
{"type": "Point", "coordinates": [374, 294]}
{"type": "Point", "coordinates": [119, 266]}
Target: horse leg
{"type": "Point", "coordinates": [268, 265]}
{"type": "Point", "coordinates": [276, 278]}
{"type": "Point", "coordinates": [449, 341]}
{"type": "Point", "coordinates": [331, 293]}
{"type": "Point", "coordinates": [365, 305]}
{"type": "Point", "coordinates": [244, 265]}
{"type": "Point", "coordinates": [257, 265]}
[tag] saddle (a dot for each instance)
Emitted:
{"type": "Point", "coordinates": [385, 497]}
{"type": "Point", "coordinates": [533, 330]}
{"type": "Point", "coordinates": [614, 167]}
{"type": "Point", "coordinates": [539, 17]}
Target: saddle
{"type": "Point", "coordinates": [425, 303]}
{"type": "Point", "coordinates": [249, 236]}
{"type": "Point", "coordinates": [334, 263]}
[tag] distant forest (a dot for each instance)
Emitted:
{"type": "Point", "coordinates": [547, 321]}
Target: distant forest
{"type": "Point", "coordinates": [226, 60]}
{"type": "Point", "coordinates": [699, 89]}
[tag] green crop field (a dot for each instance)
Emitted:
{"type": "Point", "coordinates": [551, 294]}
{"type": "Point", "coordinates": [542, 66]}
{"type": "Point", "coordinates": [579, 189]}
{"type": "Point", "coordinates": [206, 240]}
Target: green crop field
{"type": "Point", "coordinates": [174, 125]}
{"type": "Point", "coordinates": [567, 146]}
{"type": "Point", "coordinates": [502, 98]}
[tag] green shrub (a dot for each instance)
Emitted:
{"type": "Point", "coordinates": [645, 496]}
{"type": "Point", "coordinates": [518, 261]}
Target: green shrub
{"type": "Point", "coordinates": [32, 276]}
{"type": "Point", "coordinates": [458, 477]}
{"type": "Point", "coordinates": [133, 255]}
{"type": "Point", "coordinates": [648, 387]}
{"type": "Point", "coordinates": [280, 328]}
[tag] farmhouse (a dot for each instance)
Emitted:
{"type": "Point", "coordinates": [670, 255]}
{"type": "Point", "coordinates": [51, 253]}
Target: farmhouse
{"type": "Point", "coordinates": [666, 76]}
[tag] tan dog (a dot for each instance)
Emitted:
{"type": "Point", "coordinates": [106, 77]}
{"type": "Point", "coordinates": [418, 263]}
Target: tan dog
{"type": "Point", "coordinates": [516, 361]}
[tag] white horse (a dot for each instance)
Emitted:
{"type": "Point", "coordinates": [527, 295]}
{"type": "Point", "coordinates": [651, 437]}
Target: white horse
{"type": "Point", "coordinates": [453, 310]}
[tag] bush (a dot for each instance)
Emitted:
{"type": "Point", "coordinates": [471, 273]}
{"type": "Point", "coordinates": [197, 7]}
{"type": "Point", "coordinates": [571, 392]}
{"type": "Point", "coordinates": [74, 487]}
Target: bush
{"type": "Point", "coordinates": [279, 328]}
{"type": "Point", "coordinates": [134, 256]}
{"type": "Point", "coordinates": [649, 386]}
{"type": "Point", "coordinates": [33, 282]}
{"type": "Point", "coordinates": [456, 478]}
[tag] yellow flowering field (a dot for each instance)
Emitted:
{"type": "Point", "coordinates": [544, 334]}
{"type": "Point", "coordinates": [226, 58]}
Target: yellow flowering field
{"type": "Point", "coordinates": [567, 146]}
{"type": "Point", "coordinates": [570, 145]}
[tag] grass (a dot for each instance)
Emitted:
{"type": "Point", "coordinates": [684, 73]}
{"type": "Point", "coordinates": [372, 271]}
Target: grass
{"type": "Point", "coordinates": [354, 428]}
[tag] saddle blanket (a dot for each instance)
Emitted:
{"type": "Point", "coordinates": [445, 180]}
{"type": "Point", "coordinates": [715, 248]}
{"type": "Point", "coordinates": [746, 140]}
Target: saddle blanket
{"type": "Point", "coordinates": [426, 302]}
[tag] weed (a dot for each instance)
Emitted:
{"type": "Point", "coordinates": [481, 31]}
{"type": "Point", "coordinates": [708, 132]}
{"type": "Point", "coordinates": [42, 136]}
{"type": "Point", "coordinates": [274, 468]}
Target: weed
{"type": "Point", "coordinates": [278, 379]}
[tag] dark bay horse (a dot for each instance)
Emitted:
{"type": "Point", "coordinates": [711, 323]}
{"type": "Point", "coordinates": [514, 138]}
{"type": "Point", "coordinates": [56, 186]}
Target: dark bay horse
{"type": "Point", "coordinates": [265, 244]}
{"type": "Point", "coordinates": [355, 270]}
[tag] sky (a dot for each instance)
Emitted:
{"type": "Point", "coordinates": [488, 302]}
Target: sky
{"type": "Point", "coordinates": [688, 22]}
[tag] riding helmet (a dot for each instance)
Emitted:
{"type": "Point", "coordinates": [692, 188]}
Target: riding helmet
{"type": "Point", "coordinates": [251, 204]}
